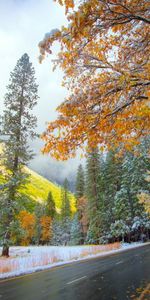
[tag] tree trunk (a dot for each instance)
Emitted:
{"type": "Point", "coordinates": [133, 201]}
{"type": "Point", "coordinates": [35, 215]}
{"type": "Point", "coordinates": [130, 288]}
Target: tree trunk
{"type": "Point", "coordinates": [5, 250]}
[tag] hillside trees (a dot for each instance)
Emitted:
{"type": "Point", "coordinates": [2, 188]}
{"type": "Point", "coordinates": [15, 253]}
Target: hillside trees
{"type": "Point", "coordinates": [44, 213]}
{"type": "Point", "coordinates": [62, 223]}
{"type": "Point", "coordinates": [105, 58]}
{"type": "Point", "coordinates": [46, 232]}
{"type": "Point", "coordinates": [113, 188]}
{"type": "Point", "coordinates": [18, 124]}
{"type": "Point", "coordinates": [126, 209]}
{"type": "Point", "coordinates": [27, 224]}
{"type": "Point", "coordinates": [134, 169]}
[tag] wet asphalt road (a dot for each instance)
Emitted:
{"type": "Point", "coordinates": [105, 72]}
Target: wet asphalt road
{"type": "Point", "coordinates": [112, 277]}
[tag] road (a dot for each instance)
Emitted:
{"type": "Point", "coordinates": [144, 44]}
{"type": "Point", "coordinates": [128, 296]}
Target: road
{"type": "Point", "coordinates": [113, 277]}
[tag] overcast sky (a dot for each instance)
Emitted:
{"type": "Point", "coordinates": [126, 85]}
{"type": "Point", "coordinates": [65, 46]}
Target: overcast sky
{"type": "Point", "coordinates": [23, 23]}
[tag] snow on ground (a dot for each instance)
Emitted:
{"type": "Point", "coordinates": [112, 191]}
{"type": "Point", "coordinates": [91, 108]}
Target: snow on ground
{"type": "Point", "coordinates": [29, 259]}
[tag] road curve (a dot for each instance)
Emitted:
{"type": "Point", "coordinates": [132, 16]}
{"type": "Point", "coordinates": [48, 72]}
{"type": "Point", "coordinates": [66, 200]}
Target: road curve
{"type": "Point", "coordinates": [115, 277]}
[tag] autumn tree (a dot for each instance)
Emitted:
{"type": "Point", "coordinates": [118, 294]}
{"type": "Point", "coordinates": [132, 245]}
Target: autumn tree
{"type": "Point", "coordinates": [18, 124]}
{"type": "Point", "coordinates": [27, 223]}
{"type": "Point", "coordinates": [82, 208]}
{"type": "Point", "coordinates": [105, 58]}
{"type": "Point", "coordinates": [144, 196]}
{"type": "Point", "coordinates": [46, 232]}
{"type": "Point", "coordinates": [39, 212]}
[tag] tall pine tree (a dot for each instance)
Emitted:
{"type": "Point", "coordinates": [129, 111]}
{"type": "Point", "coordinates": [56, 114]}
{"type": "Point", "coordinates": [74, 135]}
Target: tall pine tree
{"type": "Point", "coordinates": [75, 231]}
{"type": "Point", "coordinates": [134, 168]}
{"type": "Point", "coordinates": [65, 209]}
{"type": "Point", "coordinates": [112, 172]}
{"type": "Point", "coordinates": [50, 206]}
{"type": "Point", "coordinates": [19, 125]}
{"type": "Point", "coordinates": [92, 192]}
{"type": "Point", "coordinates": [80, 183]}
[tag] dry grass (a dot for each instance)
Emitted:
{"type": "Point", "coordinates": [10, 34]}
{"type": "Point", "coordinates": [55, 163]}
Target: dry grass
{"type": "Point", "coordinates": [8, 265]}
{"type": "Point", "coordinates": [100, 248]}
{"type": "Point", "coordinates": [49, 256]}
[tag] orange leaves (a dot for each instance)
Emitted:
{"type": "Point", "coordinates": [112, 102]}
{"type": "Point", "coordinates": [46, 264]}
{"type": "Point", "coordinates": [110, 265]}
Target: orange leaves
{"type": "Point", "coordinates": [117, 28]}
{"type": "Point", "coordinates": [27, 222]}
{"type": "Point", "coordinates": [104, 56]}
{"type": "Point", "coordinates": [67, 3]}
{"type": "Point", "coordinates": [95, 115]}
{"type": "Point", "coordinates": [46, 233]}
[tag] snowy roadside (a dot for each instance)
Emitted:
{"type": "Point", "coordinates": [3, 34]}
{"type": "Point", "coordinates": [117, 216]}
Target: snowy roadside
{"type": "Point", "coordinates": [24, 260]}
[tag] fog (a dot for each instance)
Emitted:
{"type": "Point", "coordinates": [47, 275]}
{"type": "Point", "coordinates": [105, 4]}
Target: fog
{"type": "Point", "coordinates": [51, 169]}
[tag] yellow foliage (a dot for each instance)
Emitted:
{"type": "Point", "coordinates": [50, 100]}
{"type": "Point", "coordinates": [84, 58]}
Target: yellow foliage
{"type": "Point", "coordinates": [38, 187]}
{"type": "Point", "coordinates": [145, 197]}
{"type": "Point", "coordinates": [27, 222]}
{"type": "Point", "coordinates": [105, 58]}
{"type": "Point", "coordinates": [46, 232]}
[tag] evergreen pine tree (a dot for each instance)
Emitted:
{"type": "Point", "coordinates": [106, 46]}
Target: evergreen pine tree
{"type": "Point", "coordinates": [92, 175]}
{"type": "Point", "coordinates": [65, 209]}
{"type": "Point", "coordinates": [80, 184]}
{"type": "Point", "coordinates": [92, 192]}
{"type": "Point", "coordinates": [75, 232]}
{"type": "Point", "coordinates": [80, 200]}
{"type": "Point", "coordinates": [65, 214]}
{"type": "Point", "coordinates": [18, 124]}
{"type": "Point", "coordinates": [103, 180]}
{"type": "Point", "coordinates": [111, 181]}
{"type": "Point", "coordinates": [134, 168]}
{"type": "Point", "coordinates": [57, 232]}
{"type": "Point", "coordinates": [50, 206]}
{"type": "Point", "coordinates": [60, 232]}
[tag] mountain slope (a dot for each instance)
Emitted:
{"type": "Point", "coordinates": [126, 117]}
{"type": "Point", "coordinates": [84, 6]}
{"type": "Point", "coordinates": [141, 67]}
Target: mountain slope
{"type": "Point", "coordinates": [38, 188]}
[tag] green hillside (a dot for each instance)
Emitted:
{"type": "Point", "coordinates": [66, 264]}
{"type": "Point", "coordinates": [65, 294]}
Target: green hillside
{"type": "Point", "coordinates": [37, 189]}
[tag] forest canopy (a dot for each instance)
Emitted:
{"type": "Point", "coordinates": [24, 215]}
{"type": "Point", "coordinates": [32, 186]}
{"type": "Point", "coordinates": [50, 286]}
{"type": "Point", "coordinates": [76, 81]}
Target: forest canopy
{"type": "Point", "coordinates": [104, 54]}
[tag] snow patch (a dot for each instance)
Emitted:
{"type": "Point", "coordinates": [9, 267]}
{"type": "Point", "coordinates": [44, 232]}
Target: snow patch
{"type": "Point", "coordinates": [51, 33]}
{"type": "Point", "coordinates": [25, 260]}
